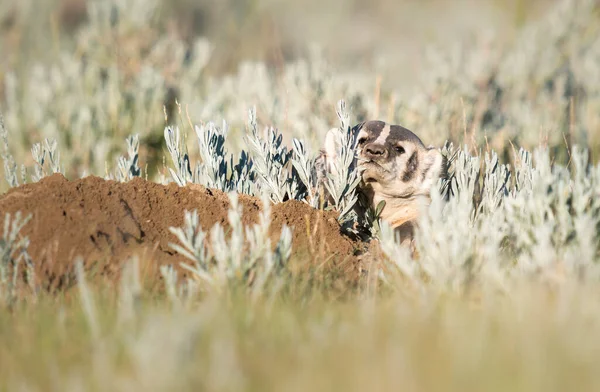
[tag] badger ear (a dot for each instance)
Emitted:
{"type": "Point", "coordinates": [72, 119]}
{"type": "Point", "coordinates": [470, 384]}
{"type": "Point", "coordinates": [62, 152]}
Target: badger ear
{"type": "Point", "coordinates": [328, 153]}
{"type": "Point", "coordinates": [332, 143]}
{"type": "Point", "coordinates": [433, 166]}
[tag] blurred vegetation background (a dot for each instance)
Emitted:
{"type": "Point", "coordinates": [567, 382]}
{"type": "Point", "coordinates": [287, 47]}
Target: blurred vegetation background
{"type": "Point", "coordinates": [355, 34]}
{"type": "Point", "coordinates": [489, 73]}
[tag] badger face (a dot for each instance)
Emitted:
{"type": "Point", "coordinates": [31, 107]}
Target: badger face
{"type": "Point", "coordinates": [394, 161]}
{"type": "Point", "coordinates": [396, 167]}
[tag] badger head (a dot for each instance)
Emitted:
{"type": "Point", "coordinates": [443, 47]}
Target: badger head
{"type": "Point", "coordinates": [396, 167]}
{"type": "Point", "coordinates": [394, 161]}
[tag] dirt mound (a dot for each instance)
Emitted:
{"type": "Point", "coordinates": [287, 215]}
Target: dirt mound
{"type": "Point", "coordinates": [106, 222]}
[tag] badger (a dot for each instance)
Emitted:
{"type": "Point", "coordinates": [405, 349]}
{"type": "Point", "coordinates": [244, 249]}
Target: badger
{"type": "Point", "coordinates": [396, 168]}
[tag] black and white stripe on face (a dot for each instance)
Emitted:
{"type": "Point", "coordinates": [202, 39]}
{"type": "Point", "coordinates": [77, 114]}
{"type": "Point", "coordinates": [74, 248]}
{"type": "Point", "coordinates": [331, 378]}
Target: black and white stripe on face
{"type": "Point", "coordinates": [400, 134]}
{"type": "Point", "coordinates": [369, 131]}
{"type": "Point", "coordinates": [381, 133]}
{"type": "Point", "coordinates": [411, 167]}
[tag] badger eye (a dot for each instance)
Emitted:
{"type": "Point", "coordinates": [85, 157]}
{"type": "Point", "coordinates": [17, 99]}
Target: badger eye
{"type": "Point", "coordinates": [399, 149]}
{"type": "Point", "coordinates": [362, 141]}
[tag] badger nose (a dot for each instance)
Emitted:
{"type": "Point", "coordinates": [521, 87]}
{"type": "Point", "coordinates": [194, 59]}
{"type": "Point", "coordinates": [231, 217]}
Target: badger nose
{"type": "Point", "coordinates": [375, 151]}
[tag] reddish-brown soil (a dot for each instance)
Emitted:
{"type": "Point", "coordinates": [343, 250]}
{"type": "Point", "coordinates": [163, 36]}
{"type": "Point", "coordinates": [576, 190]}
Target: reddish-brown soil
{"type": "Point", "coordinates": [107, 222]}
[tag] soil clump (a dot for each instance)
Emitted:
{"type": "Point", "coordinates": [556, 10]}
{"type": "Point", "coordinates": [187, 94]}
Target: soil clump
{"type": "Point", "coordinates": [107, 222]}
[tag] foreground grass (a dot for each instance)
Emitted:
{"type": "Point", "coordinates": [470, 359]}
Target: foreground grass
{"type": "Point", "coordinates": [536, 338]}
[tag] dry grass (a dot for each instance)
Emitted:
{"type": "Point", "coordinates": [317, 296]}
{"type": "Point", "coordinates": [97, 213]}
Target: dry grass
{"type": "Point", "coordinates": [534, 340]}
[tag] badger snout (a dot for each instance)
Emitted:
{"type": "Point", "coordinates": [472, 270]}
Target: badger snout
{"type": "Point", "coordinates": [375, 151]}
